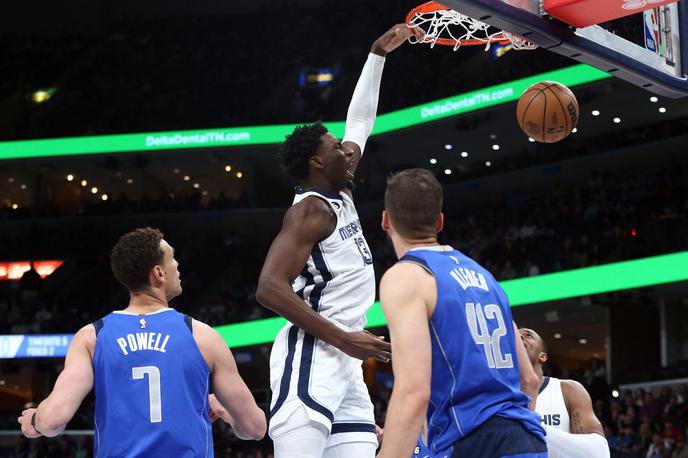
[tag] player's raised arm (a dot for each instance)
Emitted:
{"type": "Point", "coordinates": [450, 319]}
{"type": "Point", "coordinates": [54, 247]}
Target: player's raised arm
{"type": "Point", "coordinates": [405, 291]}
{"type": "Point", "coordinates": [72, 385]}
{"type": "Point", "coordinates": [587, 436]}
{"type": "Point", "coordinates": [362, 111]}
{"type": "Point", "coordinates": [246, 418]}
{"type": "Point", "coordinates": [303, 227]}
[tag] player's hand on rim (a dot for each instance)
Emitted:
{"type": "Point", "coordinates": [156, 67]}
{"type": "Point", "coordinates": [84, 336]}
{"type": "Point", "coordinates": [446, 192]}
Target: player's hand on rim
{"type": "Point", "coordinates": [364, 345]}
{"type": "Point", "coordinates": [391, 39]}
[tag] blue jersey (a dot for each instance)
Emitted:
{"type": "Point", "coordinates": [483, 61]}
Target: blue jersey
{"type": "Point", "coordinates": [151, 386]}
{"type": "Point", "coordinates": [475, 373]}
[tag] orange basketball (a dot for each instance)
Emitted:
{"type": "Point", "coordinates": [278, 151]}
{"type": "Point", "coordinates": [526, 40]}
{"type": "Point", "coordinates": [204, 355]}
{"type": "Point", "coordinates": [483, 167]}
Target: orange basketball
{"type": "Point", "coordinates": [547, 111]}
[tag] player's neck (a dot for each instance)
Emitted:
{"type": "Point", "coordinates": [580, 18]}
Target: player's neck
{"type": "Point", "coordinates": [320, 183]}
{"type": "Point", "coordinates": [402, 246]}
{"type": "Point", "coordinates": [146, 302]}
{"type": "Point", "coordinates": [538, 371]}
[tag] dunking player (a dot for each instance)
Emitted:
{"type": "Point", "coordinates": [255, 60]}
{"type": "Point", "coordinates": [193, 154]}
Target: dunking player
{"type": "Point", "coordinates": [151, 367]}
{"type": "Point", "coordinates": [453, 340]}
{"type": "Point", "coordinates": [320, 404]}
{"type": "Point", "coordinates": [565, 409]}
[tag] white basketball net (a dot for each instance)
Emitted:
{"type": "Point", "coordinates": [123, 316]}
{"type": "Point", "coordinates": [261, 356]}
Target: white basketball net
{"type": "Point", "coordinates": [450, 24]}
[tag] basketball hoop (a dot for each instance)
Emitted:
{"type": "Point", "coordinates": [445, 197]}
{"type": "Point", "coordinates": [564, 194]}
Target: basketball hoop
{"type": "Point", "coordinates": [435, 24]}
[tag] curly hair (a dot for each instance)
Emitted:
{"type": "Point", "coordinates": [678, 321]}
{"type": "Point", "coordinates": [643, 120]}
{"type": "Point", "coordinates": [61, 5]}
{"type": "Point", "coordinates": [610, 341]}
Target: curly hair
{"type": "Point", "coordinates": [134, 255]}
{"type": "Point", "coordinates": [298, 147]}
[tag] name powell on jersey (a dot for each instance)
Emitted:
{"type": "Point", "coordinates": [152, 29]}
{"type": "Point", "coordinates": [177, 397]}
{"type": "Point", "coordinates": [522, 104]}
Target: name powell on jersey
{"type": "Point", "coordinates": [143, 341]}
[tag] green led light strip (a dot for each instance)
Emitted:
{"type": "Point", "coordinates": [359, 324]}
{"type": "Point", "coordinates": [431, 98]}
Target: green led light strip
{"type": "Point", "coordinates": [261, 135]}
{"type": "Point", "coordinates": [606, 278]}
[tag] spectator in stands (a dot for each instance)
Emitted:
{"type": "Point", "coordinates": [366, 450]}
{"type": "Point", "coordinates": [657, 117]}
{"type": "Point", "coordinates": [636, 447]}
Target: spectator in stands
{"type": "Point", "coordinates": [680, 450]}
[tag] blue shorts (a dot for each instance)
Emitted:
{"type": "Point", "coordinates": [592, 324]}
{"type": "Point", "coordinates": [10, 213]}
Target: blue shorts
{"type": "Point", "coordinates": [500, 438]}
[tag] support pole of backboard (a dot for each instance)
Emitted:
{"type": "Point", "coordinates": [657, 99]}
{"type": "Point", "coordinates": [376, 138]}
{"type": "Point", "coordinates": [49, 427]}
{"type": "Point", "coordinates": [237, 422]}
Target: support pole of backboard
{"type": "Point", "coordinates": [683, 35]}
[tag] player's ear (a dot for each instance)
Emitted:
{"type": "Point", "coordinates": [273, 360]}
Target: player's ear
{"type": "Point", "coordinates": [157, 275]}
{"type": "Point", "coordinates": [439, 224]}
{"type": "Point", "coordinates": [384, 224]}
{"type": "Point", "coordinates": [543, 358]}
{"type": "Point", "coordinates": [316, 162]}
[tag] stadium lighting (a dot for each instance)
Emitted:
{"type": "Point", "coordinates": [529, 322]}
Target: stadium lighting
{"type": "Point", "coordinates": [15, 206]}
{"type": "Point", "coordinates": [130, 180]}
{"type": "Point", "coordinates": [70, 177]}
{"type": "Point", "coordinates": [94, 190]}
{"type": "Point", "coordinates": [228, 168]}
{"type": "Point", "coordinates": [654, 99]}
{"type": "Point", "coordinates": [10, 179]}
{"type": "Point", "coordinates": [582, 341]}
{"type": "Point", "coordinates": [104, 197]}
{"type": "Point", "coordinates": [205, 193]}
{"type": "Point", "coordinates": [495, 147]}
{"type": "Point", "coordinates": [488, 164]}
{"type": "Point", "coordinates": [595, 112]}
{"type": "Point", "coordinates": [448, 147]}
{"type": "Point", "coordinates": [464, 154]}
{"type": "Point", "coordinates": [239, 174]}
{"type": "Point", "coordinates": [616, 120]}
{"type": "Point", "coordinates": [433, 161]}
{"type": "Point", "coordinates": [42, 95]}
{"type": "Point", "coordinates": [447, 171]}
{"type": "Point", "coordinates": [196, 185]}
{"type": "Point", "coordinates": [187, 177]}
{"type": "Point", "coordinates": [175, 171]}
{"type": "Point", "coordinates": [557, 335]}
{"type": "Point", "coordinates": [662, 110]}
{"type": "Point", "coordinates": [84, 182]}
{"type": "Point", "coordinates": [615, 393]}
{"type": "Point", "coordinates": [23, 186]}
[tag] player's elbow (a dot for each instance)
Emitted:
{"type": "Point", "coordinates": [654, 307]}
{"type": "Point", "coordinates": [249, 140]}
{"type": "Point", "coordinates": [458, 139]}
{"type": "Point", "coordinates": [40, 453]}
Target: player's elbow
{"type": "Point", "coordinates": [266, 292]}
{"type": "Point", "coordinates": [53, 421]}
{"type": "Point", "coordinates": [416, 396]}
{"type": "Point", "coordinates": [257, 426]}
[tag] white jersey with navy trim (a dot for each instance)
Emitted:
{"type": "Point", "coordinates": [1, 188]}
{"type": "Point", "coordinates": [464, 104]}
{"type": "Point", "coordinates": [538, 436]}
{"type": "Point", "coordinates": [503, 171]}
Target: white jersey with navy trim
{"type": "Point", "coordinates": [550, 405]}
{"type": "Point", "coordinates": [338, 280]}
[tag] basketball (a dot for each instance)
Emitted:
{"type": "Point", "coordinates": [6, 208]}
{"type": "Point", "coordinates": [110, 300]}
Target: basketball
{"type": "Point", "coordinates": [547, 111]}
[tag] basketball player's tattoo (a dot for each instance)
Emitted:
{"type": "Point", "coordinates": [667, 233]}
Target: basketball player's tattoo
{"type": "Point", "coordinates": [576, 424]}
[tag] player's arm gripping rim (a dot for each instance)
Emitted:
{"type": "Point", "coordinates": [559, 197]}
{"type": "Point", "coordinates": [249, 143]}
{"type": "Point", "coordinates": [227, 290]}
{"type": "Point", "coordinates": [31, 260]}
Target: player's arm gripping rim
{"type": "Point", "coordinates": [408, 295]}
{"type": "Point", "coordinates": [72, 385]}
{"type": "Point", "coordinates": [240, 409]}
{"type": "Point", "coordinates": [587, 436]}
{"type": "Point", "coordinates": [362, 111]}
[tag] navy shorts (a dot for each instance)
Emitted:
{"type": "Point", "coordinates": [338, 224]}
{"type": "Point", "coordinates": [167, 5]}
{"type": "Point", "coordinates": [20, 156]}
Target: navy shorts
{"type": "Point", "coordinates": [500, 438]}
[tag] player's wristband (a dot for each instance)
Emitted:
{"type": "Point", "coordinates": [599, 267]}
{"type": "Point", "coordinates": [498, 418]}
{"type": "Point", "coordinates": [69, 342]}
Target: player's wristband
{"type": "Point", "coordinates": [33, 423]}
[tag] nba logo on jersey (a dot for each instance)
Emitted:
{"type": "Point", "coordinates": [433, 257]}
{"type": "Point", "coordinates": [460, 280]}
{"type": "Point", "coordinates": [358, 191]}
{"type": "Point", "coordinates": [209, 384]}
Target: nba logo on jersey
{"type": "Point", "coordinates": [142, 322]}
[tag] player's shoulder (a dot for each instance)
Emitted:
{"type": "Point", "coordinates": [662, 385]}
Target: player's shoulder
{"type": "Point", "coordinates": [85, 337]}
{"type": "Point", "coordinates": [311, 207]}
{"type": "Point", "coordinates": [572, 388]}
{"type": "Point", "coordinates": [406, 278]}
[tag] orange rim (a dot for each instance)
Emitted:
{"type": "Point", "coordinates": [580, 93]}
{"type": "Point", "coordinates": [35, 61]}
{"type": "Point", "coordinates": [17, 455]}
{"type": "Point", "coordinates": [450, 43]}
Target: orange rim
{"type": "Point", "coordinates": [431, 7]}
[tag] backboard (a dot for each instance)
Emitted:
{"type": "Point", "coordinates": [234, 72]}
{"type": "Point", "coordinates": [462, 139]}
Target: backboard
{"type": "Point", "coordinates": [643, 48]}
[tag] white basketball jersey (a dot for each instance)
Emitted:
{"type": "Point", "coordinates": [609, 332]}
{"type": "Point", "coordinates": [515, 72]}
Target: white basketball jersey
{"type": "Point", "coordinates": [550, 405]}
{"type": "Point", "coordinates": [338, 280]}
